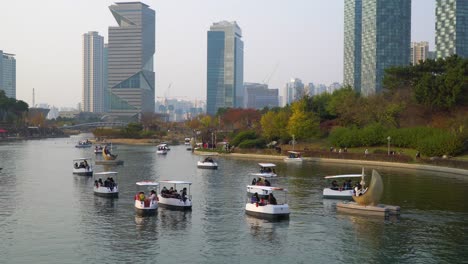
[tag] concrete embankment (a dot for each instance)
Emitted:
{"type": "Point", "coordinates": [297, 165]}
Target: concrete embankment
{"type": "Point", "coordinates": [345, 161]}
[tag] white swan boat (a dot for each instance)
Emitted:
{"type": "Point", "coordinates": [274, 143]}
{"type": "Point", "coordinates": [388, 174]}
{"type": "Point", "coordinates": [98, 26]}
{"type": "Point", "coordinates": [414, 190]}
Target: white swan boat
{"type": "Point", "coordinates": [262, 203]}
{"type": "Point", "coordinates": [146, 205]}
{"type": "Point", "coordinates": [84, 144]}
{"type": "Point", "coordinates": [266, 170]}
{"type": "Point", "coordinates": [82, 167]}
{"type": "Point", "coordinates": [293, 156]}
{"type": "Point", "coordinates": [344, 190]}
{"type": "Point", "coordinates": [207, 163]}
{"type": "Point", "coordinates": [108, 187]}
{"type": "Point", "coordinates": [162, 149]}
{"type": "Point", "coordinates": [172, 199]}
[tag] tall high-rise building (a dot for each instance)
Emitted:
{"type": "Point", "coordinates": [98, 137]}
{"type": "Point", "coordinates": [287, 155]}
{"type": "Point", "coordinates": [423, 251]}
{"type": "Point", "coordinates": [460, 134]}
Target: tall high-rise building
{"type": "Point", "coordinates": [258, 96]}
{"type": "Point", "coordinates": [106, 86]}
{"type": "Point", "coordinates": [451, 28]}
{"type": "Point", "coordinates": [130, 59]}
{"type": "Point", "coordinates": [93, 73]}
{"type": "Point", "coordinates": [225, 67]}
{"type": "Point", "coordinates": [8, 74]}
{"type": "Point", "coordinates": [294, 90]}
{"type": "Point", "coordinates": [352, 43]}
{"type": "Point", "coordinates": [386, 39]}
{"type": "Point", "coordinates": [419, 52]}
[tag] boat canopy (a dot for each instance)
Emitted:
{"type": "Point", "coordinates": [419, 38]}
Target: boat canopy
{"type": "Point", "coordinates": [106, 173]}
{"type": "Point", "coordinates": [294, 152]}
{"type": "Point", "coordinates": [344, 176]}
{"type": "Point", "coordinates": [259, 188]}
{"type": "Point", "coordinates": [81, 159]}
{"type": "Point", "coordinates": [175, 182]}
{"type": "Point", "coordinates": [147, 183]}
{"type": "Point", "coordinates": [267, 165]}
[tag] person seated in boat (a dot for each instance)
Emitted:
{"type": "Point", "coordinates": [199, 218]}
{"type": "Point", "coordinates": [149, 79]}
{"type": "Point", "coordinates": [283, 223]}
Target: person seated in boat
{"type": "Point", "coordinates": [357, 189]}
{"type": "Point", "coordinates": [274, 171]}
{"type": "Point", "coordinates": [254, 198]}
{"type": "Point", "coordinates": [262, 202]}
{"type": "Point", "coordinates": [291, 155]}
{"type": "Point", "coordinates": [96, 184]}
{"type": "Point", "coordinates": [164, 192]}
{"type": "Point", "coordinates": [152, 196]}
{"type": "Point", "coordinates": [106, 183]}
{"type": "Point", "coordinates": [86, 166]}
{"type": "Point", "coordinates": [76, 165]}
{"type": "Point", "coordinates": [100, 182]}
{"type": "Point", "coordinates": [347, 185]}
{"type": "Point", "coordinates": [267, 183]}
{"type": "Point", "coordinates": [183, 194]}
{"type": "Point", "coordinates": [272, 199]}
{"type": "Point", "coordinates": [334, 185]}
{"type": "Point", "coordinates": [81, 165]}
{"type": "Point", "coordinates": [268, 170]}
{"type": "Point", "coordinates": [209, 159]}
{"type": "Point", "coordinates": [176, 194]}
{"type": "Point", "coordinates": [260, 182]}
{"type": "Point", "coordinates": [141, 196]}
{"type": "Point", "coordinates": [254, 181]}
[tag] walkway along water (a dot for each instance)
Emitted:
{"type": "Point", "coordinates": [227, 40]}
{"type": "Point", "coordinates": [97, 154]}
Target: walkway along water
{"type": "Point", "coordinates": [346, 161]}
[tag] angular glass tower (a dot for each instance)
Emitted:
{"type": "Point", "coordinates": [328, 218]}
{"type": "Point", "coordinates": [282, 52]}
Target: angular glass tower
{"type": "Point", "coordinates": [225, 67]}
{"type": "Point", "coordinates": [352, 44]}
{"type": "Point", "coordinates": [93, 73]}
{"type": "Point", "coordinates": [451, 28]}
{"type": "Point", "coordinates": [386, 39]}
{"type": "Point", "coordinates": [130, 59]}
{"type": "Point", "coordinates": [8, 74]}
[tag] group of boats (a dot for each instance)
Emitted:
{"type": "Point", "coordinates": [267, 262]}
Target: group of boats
{"type": "Point", "coordinates": [264, 199]}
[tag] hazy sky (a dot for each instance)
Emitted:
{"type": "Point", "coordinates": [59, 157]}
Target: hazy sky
{"type": "Point", "coordinates": [282, 39]}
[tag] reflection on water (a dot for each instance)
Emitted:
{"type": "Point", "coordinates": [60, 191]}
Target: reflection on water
{"type": "Point", "coordinates": [41, 199]}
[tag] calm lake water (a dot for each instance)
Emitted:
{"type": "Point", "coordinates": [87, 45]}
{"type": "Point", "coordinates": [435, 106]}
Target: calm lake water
{"type": "Point", "coordinates": [48, 215]}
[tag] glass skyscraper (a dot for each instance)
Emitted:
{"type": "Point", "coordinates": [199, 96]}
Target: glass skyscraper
{"type": "Point", "coordinates": [225, 67]}
{"type": "Point", "coordinates": [93, 73]}
{"type": "Point", "coordinates": [130, 59]}
{"type": "Point", "coordinates": [451, 28]}
{"type": "Point", "coordinates": [8, 74]}
{"type": "Point", "coordinates": [386, 39]}
{"type": "Point", "coordinates": [352, 43]}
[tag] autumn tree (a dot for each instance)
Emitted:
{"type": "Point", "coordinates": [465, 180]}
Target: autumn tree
{"type": "Point", "coordinates": [303, 124]}
{"type": "Point", "coordinates": [275, 125]}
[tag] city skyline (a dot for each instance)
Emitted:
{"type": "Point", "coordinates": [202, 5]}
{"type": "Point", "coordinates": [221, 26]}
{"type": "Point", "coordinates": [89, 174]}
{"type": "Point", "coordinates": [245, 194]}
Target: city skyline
{"type": "Point", "coordinates": [303, 39]}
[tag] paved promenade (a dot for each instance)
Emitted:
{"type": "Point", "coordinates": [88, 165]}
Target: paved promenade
{"type": "Point", "coordinates": [345, 161]}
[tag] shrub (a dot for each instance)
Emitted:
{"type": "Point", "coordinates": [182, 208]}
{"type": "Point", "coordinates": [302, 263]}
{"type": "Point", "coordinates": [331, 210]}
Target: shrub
{"type": "Point", "coordinates": [253, 143]}
{"type": "Point", "coordinates": [440, 143]}
{"type": "Point", "coordinates": [244, 135]}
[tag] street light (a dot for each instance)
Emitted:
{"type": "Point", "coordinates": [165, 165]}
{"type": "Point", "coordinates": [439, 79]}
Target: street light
{"type": "Point", "coordinates": [389, 138]}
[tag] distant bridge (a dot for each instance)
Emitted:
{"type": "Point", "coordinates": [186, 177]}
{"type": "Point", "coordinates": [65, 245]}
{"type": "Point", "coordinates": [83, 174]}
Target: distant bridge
{"type": "Point", "coordinates": [96, 124]}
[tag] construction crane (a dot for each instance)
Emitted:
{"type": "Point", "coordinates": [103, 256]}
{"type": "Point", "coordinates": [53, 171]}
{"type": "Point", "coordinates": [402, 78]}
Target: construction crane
{"type": "Point", "coordinates": [267, 79]}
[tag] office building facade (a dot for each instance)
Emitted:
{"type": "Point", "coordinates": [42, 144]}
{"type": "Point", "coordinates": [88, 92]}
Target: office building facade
{"type": "Point", "coordinates": [225, 67]}
{"type": "Point", "coordinates": [352, 43]}
{"type": "Point", "coordinates": [8, 74]}
{"type": "Point", "coordinates": [386, 39]}
{"type": "Point", "coordinates": [93, 73]}
{"type": "Point", "coordinates": [451, 28]}
{"type": "Point", "coordinates": [131, 46]}
{"type": "Point", "coordinates": [294, 90]}
{"type": "Point", "coordinates": [258, 96]}
{"type": "Point", "coordinates": [419, 52]}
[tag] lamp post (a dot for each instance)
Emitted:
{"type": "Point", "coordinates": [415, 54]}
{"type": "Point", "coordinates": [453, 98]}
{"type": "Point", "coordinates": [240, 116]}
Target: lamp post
{"type": "Point", "coordinates": [388, 147]}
